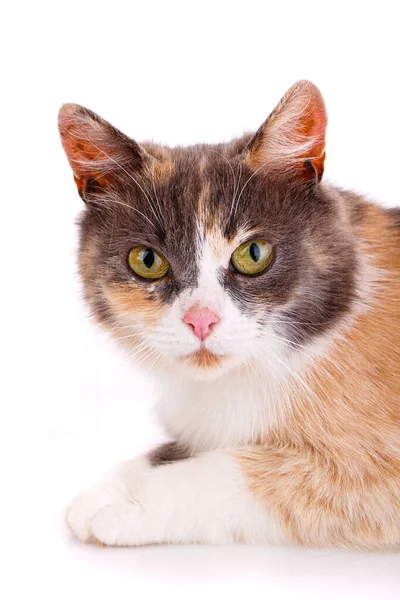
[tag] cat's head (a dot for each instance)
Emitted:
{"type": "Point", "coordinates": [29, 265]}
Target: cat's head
{"type": "Point", "coordinates": [212, 256]}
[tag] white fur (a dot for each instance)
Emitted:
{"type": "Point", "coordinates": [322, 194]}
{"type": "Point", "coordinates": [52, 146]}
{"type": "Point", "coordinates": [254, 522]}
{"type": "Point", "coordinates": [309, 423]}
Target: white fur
{"type": "Point", "coordinates": [203, 499]}
{"type": "Point", "coordinates": [233, 335]}
{"type": "Point", "coordinates": [233, 410]}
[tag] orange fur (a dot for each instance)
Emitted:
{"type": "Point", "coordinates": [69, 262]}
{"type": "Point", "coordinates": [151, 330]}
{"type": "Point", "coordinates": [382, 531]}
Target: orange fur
{"type": "Point", "coordinates": [159, 171]}
{"type": "Point", "coordinates": [205, 359]}
{"type": "Point", "coordinates": [204, 216]}
{"type": "Point", "coordinates": [331, 472]}
{"type": "Point", "coordinates": [203, 164]}
{"type": "Point", "coordinates": [133, 299]}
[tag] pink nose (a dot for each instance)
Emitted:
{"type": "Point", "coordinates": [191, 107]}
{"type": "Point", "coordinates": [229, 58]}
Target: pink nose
{"type": "Point", "coordinates": [201, 319]}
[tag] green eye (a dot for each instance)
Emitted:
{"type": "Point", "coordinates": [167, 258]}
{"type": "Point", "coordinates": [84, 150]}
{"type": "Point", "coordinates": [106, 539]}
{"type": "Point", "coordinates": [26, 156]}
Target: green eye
{"type": "Point", "coordinates": [147, 263]}
{"type": "Point", "coordinates": [252, 257]}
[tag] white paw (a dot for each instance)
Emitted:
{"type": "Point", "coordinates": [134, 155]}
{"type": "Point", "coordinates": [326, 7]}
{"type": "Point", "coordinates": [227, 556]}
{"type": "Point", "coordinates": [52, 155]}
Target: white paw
{"type": "Point", "coordinates": [118, 525]}
{"type": "Point", "coordinates": [86, 506]}
{"type": "Point", "coordinates": [103, 513]}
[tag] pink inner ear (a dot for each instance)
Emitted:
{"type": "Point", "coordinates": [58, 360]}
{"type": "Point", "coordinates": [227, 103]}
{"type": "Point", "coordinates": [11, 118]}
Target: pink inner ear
{"type": "Point", "coordinates": [90, 144]}
{"type": "Point", "coordinates": [95, 149]}
{"type": "Point", "coordinates": [294, 133]}
{"type": "Point", "coordinates": [86, 161]}
{"type": "Point", "coordinates": [79, 136]}
{"type": "Point", "coordinates": [313, 127]}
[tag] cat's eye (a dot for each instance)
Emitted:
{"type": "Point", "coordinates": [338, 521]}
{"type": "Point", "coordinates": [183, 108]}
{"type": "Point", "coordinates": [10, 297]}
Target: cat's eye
{"type": "Point", "coordinates": [252, 257]}
{"type": "Point", "coordinates": [148, 263]}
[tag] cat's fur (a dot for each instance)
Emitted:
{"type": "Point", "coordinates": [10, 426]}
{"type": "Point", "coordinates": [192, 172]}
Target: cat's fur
{"type": "Point", "coordinates": [285, 421]}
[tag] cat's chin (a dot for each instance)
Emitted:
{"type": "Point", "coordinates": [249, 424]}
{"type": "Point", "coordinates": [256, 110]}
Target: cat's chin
{"type": "Point", "coordinates": [204, 359]}
{"type": "Point", "coordinates": [204, 364]}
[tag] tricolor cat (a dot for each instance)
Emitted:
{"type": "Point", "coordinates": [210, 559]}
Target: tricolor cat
{"type": "Point", "coordinates": [267, 304]}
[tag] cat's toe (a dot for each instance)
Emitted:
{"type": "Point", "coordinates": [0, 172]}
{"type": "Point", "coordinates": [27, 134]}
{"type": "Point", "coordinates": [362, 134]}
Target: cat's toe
{"type": "Point", "coordinates": [84, 508]}
{"type": "Point", "coordinates": [117, 525]}
{"type": "Point", "coordinates": [111, 493]}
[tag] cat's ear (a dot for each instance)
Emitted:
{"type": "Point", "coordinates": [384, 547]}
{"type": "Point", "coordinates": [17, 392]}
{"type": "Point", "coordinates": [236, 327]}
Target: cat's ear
{"type": "Point", "coordinates": [99, 154]}
{"type": "Point", "coordinates": [292, 139]}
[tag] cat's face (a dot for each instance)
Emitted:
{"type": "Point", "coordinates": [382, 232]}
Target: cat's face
{"type": "Point", "coordinates": [210, 257]}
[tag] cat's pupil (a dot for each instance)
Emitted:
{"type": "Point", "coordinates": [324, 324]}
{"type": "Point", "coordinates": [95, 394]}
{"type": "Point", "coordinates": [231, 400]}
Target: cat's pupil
{"type": "Point", "coordinates": [255, 252]}
{"type": "Point", "coordinates": [148, 258]}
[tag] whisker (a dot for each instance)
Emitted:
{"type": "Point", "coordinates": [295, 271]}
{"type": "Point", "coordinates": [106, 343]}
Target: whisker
{"type": "Point", "coordinates": [98, 200]}
{"type": "Point", "coordinates": [229, 165]}
{"type": "Point", "coordinates": [235, 191]}
{"type": "Point", "coordinates": [110, 158]}
{"type": "Point", "coordinates": [247, 182]}
{"type": "Point", "coordinates": [156, 196]}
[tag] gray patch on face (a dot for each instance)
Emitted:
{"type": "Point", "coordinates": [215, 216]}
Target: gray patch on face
{"type": "Point", "coordinates": [288, 214]}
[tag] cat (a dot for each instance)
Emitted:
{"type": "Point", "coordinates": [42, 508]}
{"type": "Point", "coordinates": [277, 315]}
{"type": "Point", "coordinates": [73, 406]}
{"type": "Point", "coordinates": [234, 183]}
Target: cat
{"type": "Point", "coordinates": [265, 302]}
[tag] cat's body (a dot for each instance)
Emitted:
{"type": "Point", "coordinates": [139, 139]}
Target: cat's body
{"type": "Point", "coordinates": [280, 388]}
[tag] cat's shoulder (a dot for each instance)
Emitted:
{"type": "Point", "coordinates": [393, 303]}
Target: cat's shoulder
{"type": "Point", "coordinates": [360, 208]}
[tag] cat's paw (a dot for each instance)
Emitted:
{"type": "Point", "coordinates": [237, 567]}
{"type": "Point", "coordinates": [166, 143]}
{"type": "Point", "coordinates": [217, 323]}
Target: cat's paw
{"type": "Point", "coordinates": [101, 513]}
{"type": "Point", "coordinates": [86, 506]}
{"type": "Point", "coordinates": [118, 525]}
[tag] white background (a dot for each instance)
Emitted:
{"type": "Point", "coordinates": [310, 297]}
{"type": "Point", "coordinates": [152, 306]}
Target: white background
{"type": "Point", "coordinates": [71, 405]}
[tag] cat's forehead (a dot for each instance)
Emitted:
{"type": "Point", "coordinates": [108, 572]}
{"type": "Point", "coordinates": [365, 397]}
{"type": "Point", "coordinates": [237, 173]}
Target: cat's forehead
{"type": "Point", "coordinates": [188, 170]}
{"type": "Point", "coordinates": [184, 197]}
{"type": "Point", "coordinates": [210, 187]}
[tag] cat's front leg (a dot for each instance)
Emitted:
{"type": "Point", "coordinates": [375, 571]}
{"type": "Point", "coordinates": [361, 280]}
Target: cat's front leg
{"type": "Point", "coordinates": [200, 499]}
{"type": "Point", "coordinates": [119, 488]}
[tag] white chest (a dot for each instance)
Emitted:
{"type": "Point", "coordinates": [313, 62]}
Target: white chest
{"type": "Point", "coordinates": [230, 412]}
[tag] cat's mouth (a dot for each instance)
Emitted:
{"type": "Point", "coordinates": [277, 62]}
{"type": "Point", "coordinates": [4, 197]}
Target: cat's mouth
{"type": "Point", "coordinates": [204, 359]}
